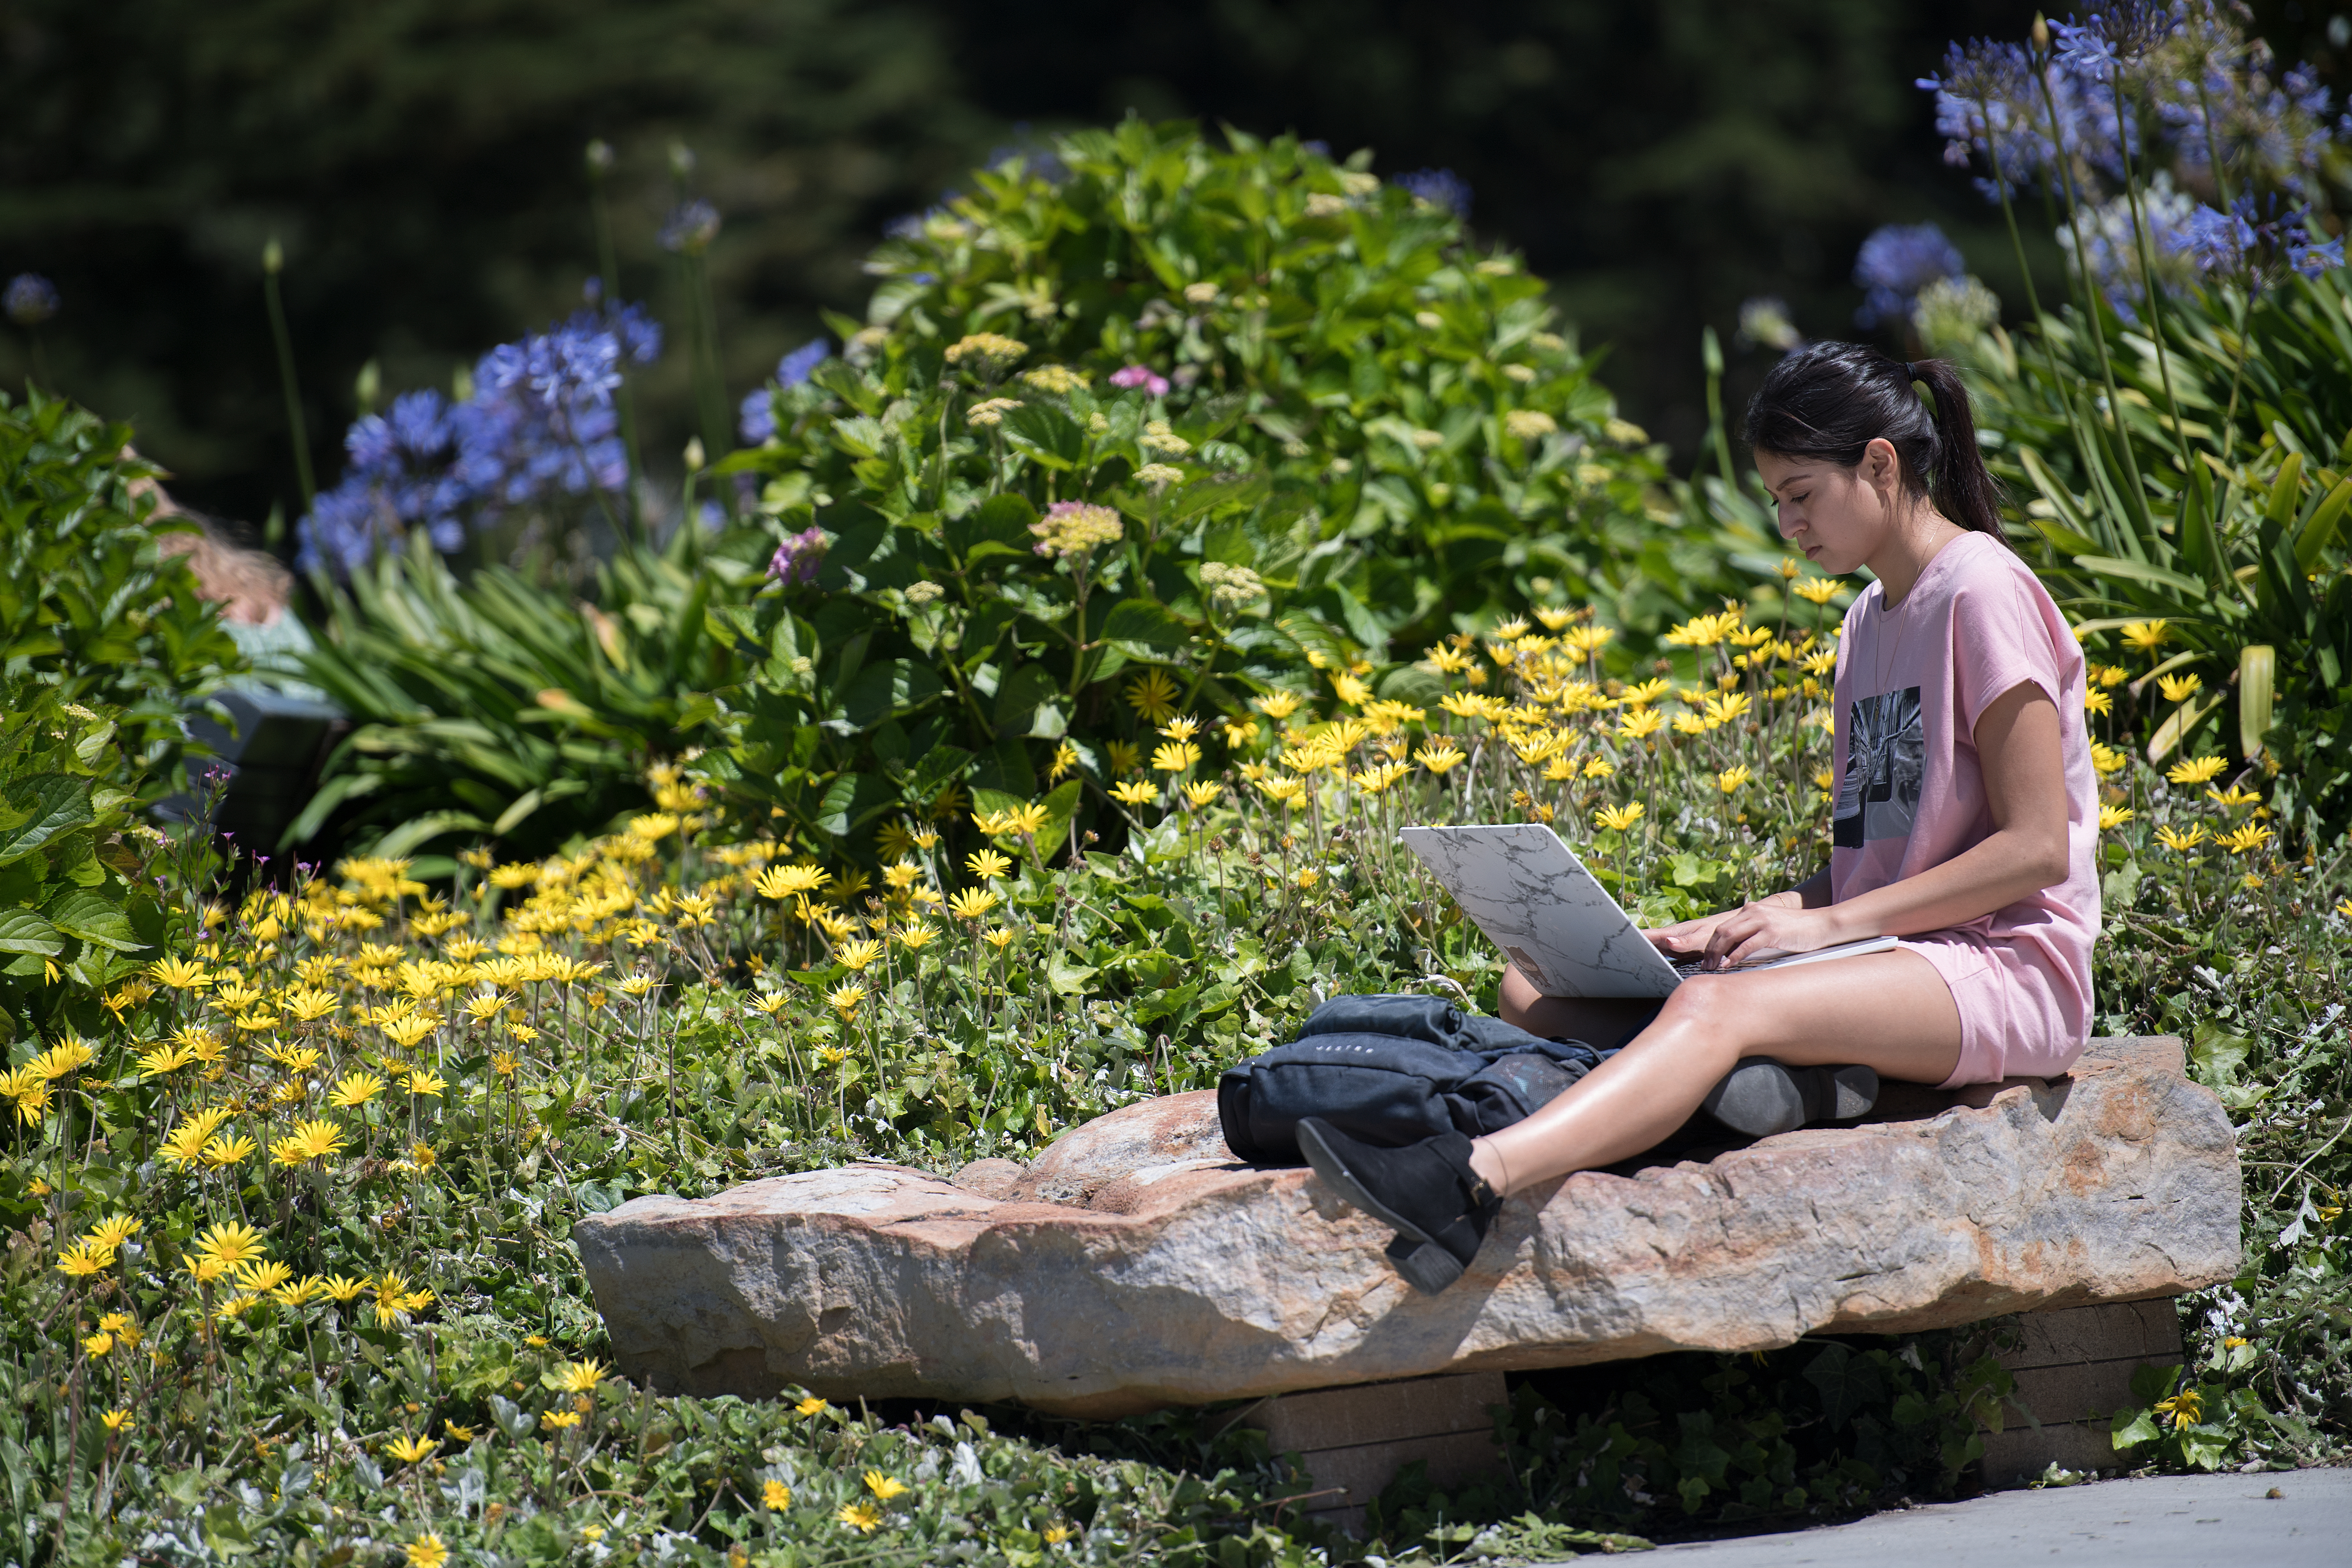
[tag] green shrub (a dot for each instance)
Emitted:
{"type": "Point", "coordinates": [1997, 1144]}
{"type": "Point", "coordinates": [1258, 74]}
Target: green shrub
{"type": "Point", "coordinates": [77, 909]}
{"type": "Point", "coordinates": [103, 645]}
{"type": "Point", "coordinates": [1342, 332]}
{"type": "Point", "coordinates": [1316, 422]}
{"type": "Point", "coordinates": [87, 604]}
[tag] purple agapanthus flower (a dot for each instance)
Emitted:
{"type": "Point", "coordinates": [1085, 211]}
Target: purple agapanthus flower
{"type": "Point", "coordinates": [542, 422]}
{"type": "Point", "coordinates": [1991, 104]}
{"type": "Point", "coordinates": [797, 558]}
{"type": "Point", "coordinates": [1142, 375]}
{"type": "Point", "coordinates": [540, 426]}
{"type": "Point", "coordinates": [2115, 37]}
{"type": "Point", "coordinates": [29, 299]}
{"type": "Point", "coordinates": [1894, 263]}
{"type": "Point", "coordinates": [1987, 106]}
{"type": "Point", "coordinates": [2284, 234]}
{"type": "Point", "coordinates": [2217, 241]}
{"type": "Point", "coordinates": [1439, 187]}
{"type": "Point", "coordinates": [756, 418]}
{"type": "Point", "coordinates": [402, 476]}
{"type": "Point", "coordinates": [691, 228]}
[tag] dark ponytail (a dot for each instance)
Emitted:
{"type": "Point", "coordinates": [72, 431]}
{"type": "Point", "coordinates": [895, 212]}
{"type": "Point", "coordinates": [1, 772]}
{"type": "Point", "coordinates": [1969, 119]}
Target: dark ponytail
{"type": "Point", "coordinates": [1829, 401]}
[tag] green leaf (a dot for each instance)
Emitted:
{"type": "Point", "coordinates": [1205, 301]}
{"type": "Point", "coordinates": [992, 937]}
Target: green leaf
{"type": "Point", "coordinates": [2152, 1381]}
{"type": "Point", "coordinates": [2188, 588]}
{"type": "Point", "coordinates": [43, 805]}
{"type": "Point", "coordinates": [1060, 804]}
{"type": "Point", "coordinates": [852, 801]}
{"type": "Point", "coordinates": [2312, 545]}
{"type": "Point", "coordinates": [1047, 435]}
{"type": "Point", "coordinates": [1691, 869]}
{"type": "Point", "coordinates": [933, 771]}
{"type": "Point", "coordinates": [1146, 623]}
{"type": "Point", "coordinates": [1218, 492]}
{"type": "Point", "coordinates": [1845, 1381]}
{"type": "Point", "coordinates": [886, 689]}
{"type": "Point", "coordinates": [21, 931]}
{"type": "Point", "coordinates": [2257, 674]}
{"type": "Point", "coordinates": [418, 830]}
{"type": "Point", "coordinates": [1028, 702]}
{"type": "Point", "coordinates": [2284, 489]}
{"type": "Point", "coordinates": [1001, 520]}
{"type": "Point", "coordinates": [2216, 1055]}
{"type": "Point", "coordinates": [522, 806]}
{"type": "Point", "coordinates": [1068, 979]}
{"type": "Point", "coordinates": [90, 917]}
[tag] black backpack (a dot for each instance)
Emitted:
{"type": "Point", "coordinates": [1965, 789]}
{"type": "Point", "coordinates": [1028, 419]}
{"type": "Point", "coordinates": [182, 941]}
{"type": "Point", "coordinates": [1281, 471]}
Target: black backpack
{"type": "Point", "coordinates": [1393, 1069]}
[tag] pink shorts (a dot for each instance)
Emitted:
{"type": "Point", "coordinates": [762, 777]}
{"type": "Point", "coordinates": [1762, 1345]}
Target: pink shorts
{"type": "Point", "coordinates": [2015, 1020]}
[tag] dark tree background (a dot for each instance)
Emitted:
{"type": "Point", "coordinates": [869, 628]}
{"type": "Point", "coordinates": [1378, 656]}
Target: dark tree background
{"type": "Point", "coordinates": [420, 161]}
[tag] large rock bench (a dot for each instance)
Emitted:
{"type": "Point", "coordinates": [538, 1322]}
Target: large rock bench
{"type": "Point", "coordinates": [1136, 1265]}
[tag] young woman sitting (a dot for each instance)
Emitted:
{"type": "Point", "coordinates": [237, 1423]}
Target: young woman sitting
{"type": "Point", "coordinates": [1964, 823]}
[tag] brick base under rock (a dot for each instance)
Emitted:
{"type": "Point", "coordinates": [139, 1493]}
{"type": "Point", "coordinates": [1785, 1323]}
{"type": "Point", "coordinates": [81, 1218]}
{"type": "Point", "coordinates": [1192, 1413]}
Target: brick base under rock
{"type": "Point", "coordinates": [1353, 1441]}
{"type": "Point", "coordinates": [2074, 1372]}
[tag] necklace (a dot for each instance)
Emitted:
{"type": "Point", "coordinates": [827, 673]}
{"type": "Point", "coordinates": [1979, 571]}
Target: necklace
{"type": "Point", "coordinates": [1883, 659]}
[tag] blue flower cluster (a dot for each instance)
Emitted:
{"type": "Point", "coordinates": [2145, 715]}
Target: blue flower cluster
{"type": "Point", "coordinates": [2256, 227]}
{"type": "Point", "coordinates": [1439, 187]}
{"type": "Point", "coordinates": [1894, 263]}
{"type": "Point", "coordinates": [540, 426]}
{"type": "Point", "coordinates": [2027, 126]}
{"type": "Point", "coordinates": [692, 226]}
{"type": "Point", "coordinates": [30, 299]}
{"type": "Point", "coordinates": [2217, 97]}
{"type": "Point", "coordinates": [756, 420]}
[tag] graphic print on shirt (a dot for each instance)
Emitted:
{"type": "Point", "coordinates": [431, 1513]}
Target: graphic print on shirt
{"type": "Point", "coordinates": [1886, 759]}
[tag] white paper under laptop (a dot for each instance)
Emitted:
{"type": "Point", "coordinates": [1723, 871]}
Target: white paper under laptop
{"type": "Point", "coordinates": [1534, 899]}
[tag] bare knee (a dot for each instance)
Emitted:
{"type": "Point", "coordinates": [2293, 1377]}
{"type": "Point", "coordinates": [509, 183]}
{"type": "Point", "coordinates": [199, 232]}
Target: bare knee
{"type": "Point", "coordinates": [1705, 1015]}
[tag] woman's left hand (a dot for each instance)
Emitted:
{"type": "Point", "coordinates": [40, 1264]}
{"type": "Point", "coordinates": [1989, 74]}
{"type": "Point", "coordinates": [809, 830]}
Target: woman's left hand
{"type": "Point", "coordinates": [1755, 930]}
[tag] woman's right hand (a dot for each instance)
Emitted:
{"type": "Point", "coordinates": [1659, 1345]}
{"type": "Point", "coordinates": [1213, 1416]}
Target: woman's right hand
{"type": "Point", "coordinates": [1688, 939]}
{"type": "Point", "coordinates": [1684, 939]}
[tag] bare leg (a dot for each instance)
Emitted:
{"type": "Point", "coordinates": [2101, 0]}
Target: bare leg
{"type": "Point", "coordinates": [1600, 1021]}
{"type": "Point", "coordinates": [1889, 1011]}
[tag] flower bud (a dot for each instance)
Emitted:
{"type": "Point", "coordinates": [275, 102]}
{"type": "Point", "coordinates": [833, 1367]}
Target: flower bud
{"type": "Point", "coordinates": [273, 257]}
{"type": "Point", "coordinates": [2041, 32]}
{"type": "Point", "coordinates": [599, 158]}
{"type": "Point", "coordinates": [693, 456]}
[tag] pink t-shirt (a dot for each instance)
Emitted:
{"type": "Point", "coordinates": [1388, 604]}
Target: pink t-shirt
{"type": "Point", "coordinates": [1913, 678]}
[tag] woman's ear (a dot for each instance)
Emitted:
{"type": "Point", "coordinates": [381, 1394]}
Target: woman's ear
{"type": "Point", "coordinates": [1882, 469]}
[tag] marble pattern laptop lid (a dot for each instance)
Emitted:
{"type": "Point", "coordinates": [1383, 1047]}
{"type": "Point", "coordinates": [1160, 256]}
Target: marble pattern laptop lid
{"type": "Point", "coordinates": [1534, 899]}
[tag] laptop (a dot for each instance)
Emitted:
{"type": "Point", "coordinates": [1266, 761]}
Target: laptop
{"type": "Point", "coordinates": [1535, 899]}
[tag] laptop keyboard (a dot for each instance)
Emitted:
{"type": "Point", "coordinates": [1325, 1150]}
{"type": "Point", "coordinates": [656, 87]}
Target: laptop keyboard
{"type": "Point", "coordinates": [1690, 966]}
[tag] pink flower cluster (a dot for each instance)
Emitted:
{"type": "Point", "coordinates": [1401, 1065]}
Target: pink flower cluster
{"type": "Point", "coordinates": [1143, 376]}
{"type": "Point", "coordinates": [797, 558]}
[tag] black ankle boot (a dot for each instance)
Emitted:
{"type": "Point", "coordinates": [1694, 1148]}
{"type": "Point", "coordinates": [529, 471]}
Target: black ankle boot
{"type": "Point", "coordinates": [1760, 1096]}
{"type": "Point", "coordinates": [1439, 1205]}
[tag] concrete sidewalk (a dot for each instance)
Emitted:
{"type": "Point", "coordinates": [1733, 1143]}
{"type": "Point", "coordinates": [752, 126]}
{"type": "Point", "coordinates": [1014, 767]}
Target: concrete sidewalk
{"type": "Point", "coordinates": [2159, 1521]}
